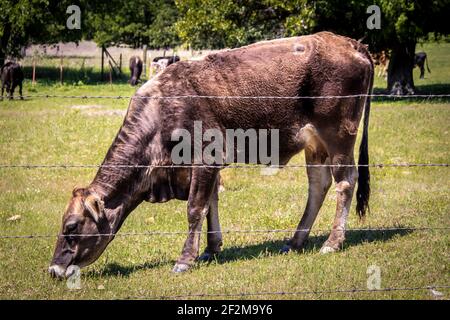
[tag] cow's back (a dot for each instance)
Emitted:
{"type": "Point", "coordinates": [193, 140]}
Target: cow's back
{"type": "Point", "coordinates": [315, 65]}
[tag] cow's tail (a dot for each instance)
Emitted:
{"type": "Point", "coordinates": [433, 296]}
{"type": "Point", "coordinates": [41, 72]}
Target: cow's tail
{"type": "Point", "coordinates": [363, 192]}
{"type": "Point", "coordinates": [426, 61]}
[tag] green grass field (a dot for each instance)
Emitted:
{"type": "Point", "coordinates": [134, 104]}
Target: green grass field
{"type": "Point", "coordinates": [76, 131]}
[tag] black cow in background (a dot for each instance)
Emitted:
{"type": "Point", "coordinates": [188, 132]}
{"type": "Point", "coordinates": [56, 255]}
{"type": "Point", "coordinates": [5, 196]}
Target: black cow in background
{"type": "Point", "coordinates": [170, 59]}
{"type": "Point", "coordinates": [135, 69]}
{"type": "Point", "coordinates": [12, 76]}
{"type": "Point", "coordinates": [419, 60]}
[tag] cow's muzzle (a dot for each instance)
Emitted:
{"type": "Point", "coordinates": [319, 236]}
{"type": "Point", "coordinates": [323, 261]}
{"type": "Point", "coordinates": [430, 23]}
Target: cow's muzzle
{"type": "Point", "coordinates": [57, 271]}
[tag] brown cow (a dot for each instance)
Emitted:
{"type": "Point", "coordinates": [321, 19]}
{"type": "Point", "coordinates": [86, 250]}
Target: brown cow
{"type": "Point", "coordinates": [381, 59]}
{"type": "Point", "coordinates": [322, 64]}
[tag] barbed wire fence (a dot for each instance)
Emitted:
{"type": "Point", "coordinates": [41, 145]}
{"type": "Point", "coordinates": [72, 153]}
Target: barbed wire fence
{"type": "Point", "coordinates": [238, 166]}
{"type": "Point", "coordinates": [146, 97]}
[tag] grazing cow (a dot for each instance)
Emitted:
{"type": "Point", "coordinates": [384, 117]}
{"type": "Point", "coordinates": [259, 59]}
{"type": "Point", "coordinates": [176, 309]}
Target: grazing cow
{"type": "Point", "coordinates": [420, 58]}
{"type": "Point", "coordinates": [12, 76]}
{"type": "Point", "coordinates": [160, 63]}
{"type": "Point", "coordinates": [322, 64]}
{"type": "Point", "coordinates": [135, 70]}
{"type": "Point", "coordinates": [381, 59]}
{"type": "Point", "coordinates": [170, 59]}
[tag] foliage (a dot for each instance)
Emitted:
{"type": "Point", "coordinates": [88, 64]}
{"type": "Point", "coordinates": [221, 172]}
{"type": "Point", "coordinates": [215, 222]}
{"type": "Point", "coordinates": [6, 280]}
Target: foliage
{"type": "Point", "coordinates": [136, 22]}
{"type": "Point", "coordinates": [228, 23]}
{"type": "Point", "coordinates": [24, 22]}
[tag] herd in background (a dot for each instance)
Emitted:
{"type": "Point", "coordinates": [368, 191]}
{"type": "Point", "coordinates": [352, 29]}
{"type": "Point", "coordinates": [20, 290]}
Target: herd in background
{"type": "Point", "coordinates": [158, 63]}
{"type": "Point", "coordinates": [12, 75]}
{"type": "Point", "coordinates": [381, 59]}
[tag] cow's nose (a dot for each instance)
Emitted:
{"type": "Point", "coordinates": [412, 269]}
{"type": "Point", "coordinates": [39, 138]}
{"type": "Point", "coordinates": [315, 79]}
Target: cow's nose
{"type": "Point", "coordinates": [56, 271]}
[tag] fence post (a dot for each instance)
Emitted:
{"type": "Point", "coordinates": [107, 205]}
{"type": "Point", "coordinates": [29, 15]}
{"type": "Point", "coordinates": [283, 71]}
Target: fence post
{"type": "Point", "coordinates": [145, 60]}
{"type": "Point", "coordinates": [61, 70]}
{"type": "Point", "coordinates": [33, 81]}
{"type": "Point", "coordinates": [101, 73]}
{"type": "Point", "coordinates": [110, 72]}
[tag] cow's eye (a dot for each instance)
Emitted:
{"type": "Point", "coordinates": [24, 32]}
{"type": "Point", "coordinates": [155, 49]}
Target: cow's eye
{"type": "Point", "coordinates": [71, 227]}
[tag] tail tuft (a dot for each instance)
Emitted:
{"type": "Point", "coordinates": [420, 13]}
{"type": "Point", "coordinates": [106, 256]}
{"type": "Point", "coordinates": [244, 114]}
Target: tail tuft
{"type": "Point", "coordinates": [363, 192]}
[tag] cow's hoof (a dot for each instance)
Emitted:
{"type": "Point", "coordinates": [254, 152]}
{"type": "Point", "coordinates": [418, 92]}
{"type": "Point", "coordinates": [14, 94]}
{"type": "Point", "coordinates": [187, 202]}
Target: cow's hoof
{"type": "Point", "coordinates": [180, 267]}
{"type": "Point", "coordinates": [206, 257]}
{"type": "Point", "coordinates": [286, 249]}
{"type": "Point", "coordinates": [327, 249]}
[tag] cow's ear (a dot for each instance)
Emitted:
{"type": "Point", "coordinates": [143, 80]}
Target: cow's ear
{"type": "Point", "coordinates": [94, 205]}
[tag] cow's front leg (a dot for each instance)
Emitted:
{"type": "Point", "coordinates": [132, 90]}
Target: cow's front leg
{"type": "Point", "coordinates": [20, 91]}
{"type": "Point", "coordinates": [345, 178]}
{"type": "Point", "coordinates": [214, 237]}
{"type": "Point", "coordinates": [201, 190]}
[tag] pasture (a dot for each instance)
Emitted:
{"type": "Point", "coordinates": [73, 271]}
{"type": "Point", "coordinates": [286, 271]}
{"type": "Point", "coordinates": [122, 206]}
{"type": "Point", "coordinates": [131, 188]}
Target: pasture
{"type": "Point", "coordinates": [79, 131]}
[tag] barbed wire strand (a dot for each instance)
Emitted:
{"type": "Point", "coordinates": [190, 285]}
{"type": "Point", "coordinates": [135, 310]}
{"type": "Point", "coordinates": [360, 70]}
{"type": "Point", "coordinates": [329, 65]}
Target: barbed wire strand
{"type": "Point", "coordinates": [172, 233]}
{"type": "Point", "coordinates": [219, 166]}
{"type": "Point", "coordinates": [288, 293]}
{"type": "Point", "coordinates": [425, 96]}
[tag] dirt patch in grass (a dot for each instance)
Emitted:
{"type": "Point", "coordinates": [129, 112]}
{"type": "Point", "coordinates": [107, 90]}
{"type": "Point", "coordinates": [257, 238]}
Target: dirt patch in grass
{"type": "Point", "coordinates": [98, 110]}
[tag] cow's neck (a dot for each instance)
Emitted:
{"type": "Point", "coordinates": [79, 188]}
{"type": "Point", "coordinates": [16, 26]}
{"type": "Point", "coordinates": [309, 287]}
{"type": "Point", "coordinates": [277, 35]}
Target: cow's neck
{"type": "Point", "coordinates": [119, 199]}
{"type": "Point", "coordinates": [121, 186]}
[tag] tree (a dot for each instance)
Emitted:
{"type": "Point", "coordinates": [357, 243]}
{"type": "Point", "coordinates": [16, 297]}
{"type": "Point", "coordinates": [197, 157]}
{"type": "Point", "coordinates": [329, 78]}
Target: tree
{"type": "Point", "coordinates": [403, 24]}
{"type": "Point", "coordinates": [24, 22]}
{"type": "Point", "coordinates": [107, 22]}
{"type": "Point", "coordinates": [135, 23]}
{"type": "Point", "coordinates": [230, 23]}
{"type": "Point", "coordinates": [227, 23]}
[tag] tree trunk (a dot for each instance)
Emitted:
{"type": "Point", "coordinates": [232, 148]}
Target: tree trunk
{"type": "Point", "coordinates": [4, 39]}
{"type": "Point", "coordinates": [400, 71]}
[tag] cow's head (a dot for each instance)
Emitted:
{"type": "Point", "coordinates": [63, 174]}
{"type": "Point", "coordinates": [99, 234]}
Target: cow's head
{"type": "Point", "coordinates": [81, 239]}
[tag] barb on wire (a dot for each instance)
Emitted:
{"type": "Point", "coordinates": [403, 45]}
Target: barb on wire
{"type": "Point", "coordinates": [426, 96]}
{"type": "Point", "coordinates": [218, 166]}
{"type": "Point", "coordinates": [289, 293]}
{"type": "Point", "coordinates": [230, 231]}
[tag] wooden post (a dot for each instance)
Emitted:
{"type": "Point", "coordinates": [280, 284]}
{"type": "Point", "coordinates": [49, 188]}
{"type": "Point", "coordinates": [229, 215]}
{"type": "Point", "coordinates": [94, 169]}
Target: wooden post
{"type": "Point", "coordinates": [120, 62]}
{"type": "Point", "coordinates": [33, 82]}
{"type": "Point", "coordinates": [103, 61]}
{"type": "Point", "coordinates": [61, 70]}
{"type": "Point", "coordinates": [110, 72]}
{"type": "Point", "coordinates": [150, 70]}
{"type": "Point", "coordinates": [144, 60]}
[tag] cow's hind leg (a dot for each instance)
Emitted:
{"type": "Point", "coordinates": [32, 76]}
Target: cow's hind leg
{"type": "Point", "coordinates": [201, 190]}
{"type": "Point", "coordinates": [422, 71]}
{"type": "Point", "coordinates": [345, 178]}
{"type": "Point", "coordinates": [11, 91]}
{"type": "Point", "coordinates": [214, 237]}
{"type": "Point", "coordinates": [319, 179]}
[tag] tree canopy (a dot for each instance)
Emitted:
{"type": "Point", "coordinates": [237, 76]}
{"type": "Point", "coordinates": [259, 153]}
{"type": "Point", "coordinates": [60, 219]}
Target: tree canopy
{"type": "Point", "coordinates": [24, 22]}
{"type": "Point", "coordinates": [227, 23]}
{"type": "Point", "coordinates": [135, 23]}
